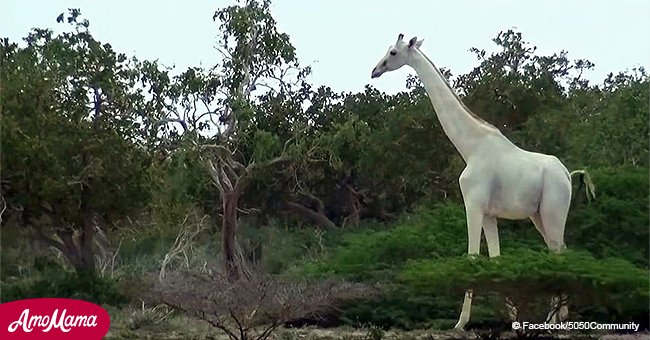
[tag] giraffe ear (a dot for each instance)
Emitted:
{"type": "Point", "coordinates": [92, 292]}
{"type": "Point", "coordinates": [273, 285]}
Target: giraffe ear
{"type": "Point", "coordinates": [414, 42]}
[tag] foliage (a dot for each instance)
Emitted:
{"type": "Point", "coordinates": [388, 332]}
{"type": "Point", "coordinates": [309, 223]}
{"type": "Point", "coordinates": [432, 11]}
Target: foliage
{"type": "Point", "coordinates": [408, 258]}
{"type": "Point", "coordinates": [75, 136]}
{"type": "Point", "coordinates": [157, 317]}
{"type": "Point", "coordinates": [181, 186]}
{"type": "Point", "coordinates": [526, 274]}
{"type": "Point", "coordinates": [614, 130]}
{"type": "Point", "coordinates": [54, 281]}
{"type": "Point", "coordinates": [615, 224]}
{"type": "Point", "coordinates": [236, 150]}
{"type": "Point", "coordinates": [368, 254]}
{"type": "Point", "coordinates": [36, 132]}
{"type": "Point", "coordinates": [513, 84]}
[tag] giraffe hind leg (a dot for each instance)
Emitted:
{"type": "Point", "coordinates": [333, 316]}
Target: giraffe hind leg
{"type": "Point", "coordinates": [553, 213]}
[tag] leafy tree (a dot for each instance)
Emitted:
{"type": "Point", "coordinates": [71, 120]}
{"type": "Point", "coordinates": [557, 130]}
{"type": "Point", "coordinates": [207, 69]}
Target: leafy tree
{"type": "Point", "coordinates": [616, 223]}
{"type": "Point", "coordinates": [258, 63]}
{"type": "Point", "coordinates": [513, 84]}
{"type": "Point", "coordinates": [614, 127]}
{"type": "Point", "coordinates": [350, 163]}
{"type": "Point", "coordinates": [76, 132]}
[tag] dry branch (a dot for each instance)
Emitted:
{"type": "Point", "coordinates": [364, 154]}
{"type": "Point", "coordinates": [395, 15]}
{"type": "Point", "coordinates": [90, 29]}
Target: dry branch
{"type": "Point", "coordinates": [253, 309]}
{"type": "Point", "coordinates": [182, 243]}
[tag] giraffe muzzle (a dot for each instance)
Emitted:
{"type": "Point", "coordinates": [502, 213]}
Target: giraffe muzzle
{"type": "Point", "coordinates": [376, 73]}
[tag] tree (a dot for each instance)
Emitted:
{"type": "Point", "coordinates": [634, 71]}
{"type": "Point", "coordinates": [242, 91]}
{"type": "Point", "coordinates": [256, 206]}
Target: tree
{"type": "Point", "coordinates": [513, 84]}
{"type": "Point", "coordinates": [258, 63]}
{"type": "Point", "coordinates": [613, 127]}
{"type": "Point", "coordinates": [76, 136]}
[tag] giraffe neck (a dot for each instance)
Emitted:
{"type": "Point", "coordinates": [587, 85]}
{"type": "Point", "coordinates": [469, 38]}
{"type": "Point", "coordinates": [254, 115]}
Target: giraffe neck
{"type": "Point", "coordinates": [463, 128]}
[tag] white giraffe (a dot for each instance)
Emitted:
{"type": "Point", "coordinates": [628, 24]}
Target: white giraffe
{"type": "Point", "coordinates": [500, 179]}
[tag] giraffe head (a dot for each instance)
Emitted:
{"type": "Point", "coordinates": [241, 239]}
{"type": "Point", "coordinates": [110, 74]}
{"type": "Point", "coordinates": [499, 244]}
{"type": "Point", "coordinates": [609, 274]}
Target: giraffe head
{"type": "Point", "coordinates": [397, 56]}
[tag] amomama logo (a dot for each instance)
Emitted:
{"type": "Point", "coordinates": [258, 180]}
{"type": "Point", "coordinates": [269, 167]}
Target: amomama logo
{"type": "Point", "coordinates": [52, 318]}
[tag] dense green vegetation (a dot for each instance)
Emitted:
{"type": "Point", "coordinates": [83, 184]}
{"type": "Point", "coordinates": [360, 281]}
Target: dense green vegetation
{"type": "Point", "coordinates": [113, 167]}
{"type": "Point", "coordinates": [420, 258]}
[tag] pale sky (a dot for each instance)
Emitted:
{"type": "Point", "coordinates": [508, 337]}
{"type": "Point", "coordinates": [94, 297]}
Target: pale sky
{"type": "Point", "coordinates": [344, 39]}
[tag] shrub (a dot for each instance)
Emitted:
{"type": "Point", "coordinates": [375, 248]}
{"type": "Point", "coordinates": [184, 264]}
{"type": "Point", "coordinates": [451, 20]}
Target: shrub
{"type": "Point", "coordinates": [608, 240]}
{"type": "Point", "coordinates": [53, 280]}
{"type": "Point", "coordinates": [432, 233]}
{"type": "Point", "coordinates": [252, 308]}
{"type": "Point", "coordinates": [616, 223]}
{"type": "Point", "coordinates": [530, 278]}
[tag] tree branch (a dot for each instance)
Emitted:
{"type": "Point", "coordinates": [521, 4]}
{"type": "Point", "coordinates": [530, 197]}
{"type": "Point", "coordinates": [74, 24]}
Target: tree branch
{"type": "Point", "coordinates": [49, 240]}
{"type": "Point", "coordinates": [225, 181]}
{"type": "Point", "coordinates": [242, 330]}
{"type": "Point", "coordinates": [173, 120]}
{"type": "Point", "coordinates": [215, 177]}
{"type": "Point", "coordinates": [317, 216]}
{"type": "Point", "coordinates": [4, 207]}
{"type": "Point", "coordinates": [319, 202]}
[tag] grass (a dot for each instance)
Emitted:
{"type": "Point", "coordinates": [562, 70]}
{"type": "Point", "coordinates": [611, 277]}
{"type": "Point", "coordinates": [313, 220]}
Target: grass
{"type": "Point", "coordinates": [137, 322]}
{"type": "Point", "coordinates": [182, 327]}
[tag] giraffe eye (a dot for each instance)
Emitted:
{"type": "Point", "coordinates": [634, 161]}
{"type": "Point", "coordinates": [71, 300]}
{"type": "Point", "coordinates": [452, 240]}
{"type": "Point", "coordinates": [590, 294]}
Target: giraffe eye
{"type": "Point", "coordinates": [393, 52]}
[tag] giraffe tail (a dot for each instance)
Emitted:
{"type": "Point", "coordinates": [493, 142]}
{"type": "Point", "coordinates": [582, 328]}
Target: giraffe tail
{"type": "Point", "coordinates": [585, 179]}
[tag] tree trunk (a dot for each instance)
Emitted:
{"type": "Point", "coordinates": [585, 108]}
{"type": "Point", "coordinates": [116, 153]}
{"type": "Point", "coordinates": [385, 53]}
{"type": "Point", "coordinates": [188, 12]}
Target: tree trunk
{"type": "Point", "coordinates": [86, 241]}
{"type": "Point", "coordinates": [80, 254]}
{"type": "Point", "coordinates": [232, 264]}
{"type": "Point", "coordinates": [231, 178]}
{"type": "Point", "coordinates": [353, 207]}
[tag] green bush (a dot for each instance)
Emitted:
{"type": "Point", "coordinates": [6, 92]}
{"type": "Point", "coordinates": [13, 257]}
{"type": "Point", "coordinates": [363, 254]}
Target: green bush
{"type": "Point", "coordinates": [421, 262]}
{"type": "Point", "coordinates": [428, 233]}
{"type": "Point", "coordinates": [531, 277]}
{"type": "Point", "coordinates": [616, 223]}
{"type": "Point", "coordinates": [53, 280]}
{"type": "Point", "coordinates": [144, 252]}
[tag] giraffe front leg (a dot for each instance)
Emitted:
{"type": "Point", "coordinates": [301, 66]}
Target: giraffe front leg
{"type": "Point", "coordinates": [490, 228]}
{"type": "Point", "coordinates": [475, 220]}
{"type": "Point", "coordinates": [474, 223]}
{"type": "Point", "coordinates": [466, 311]}
{"type": "Point", "coordinates": [491, 231]}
